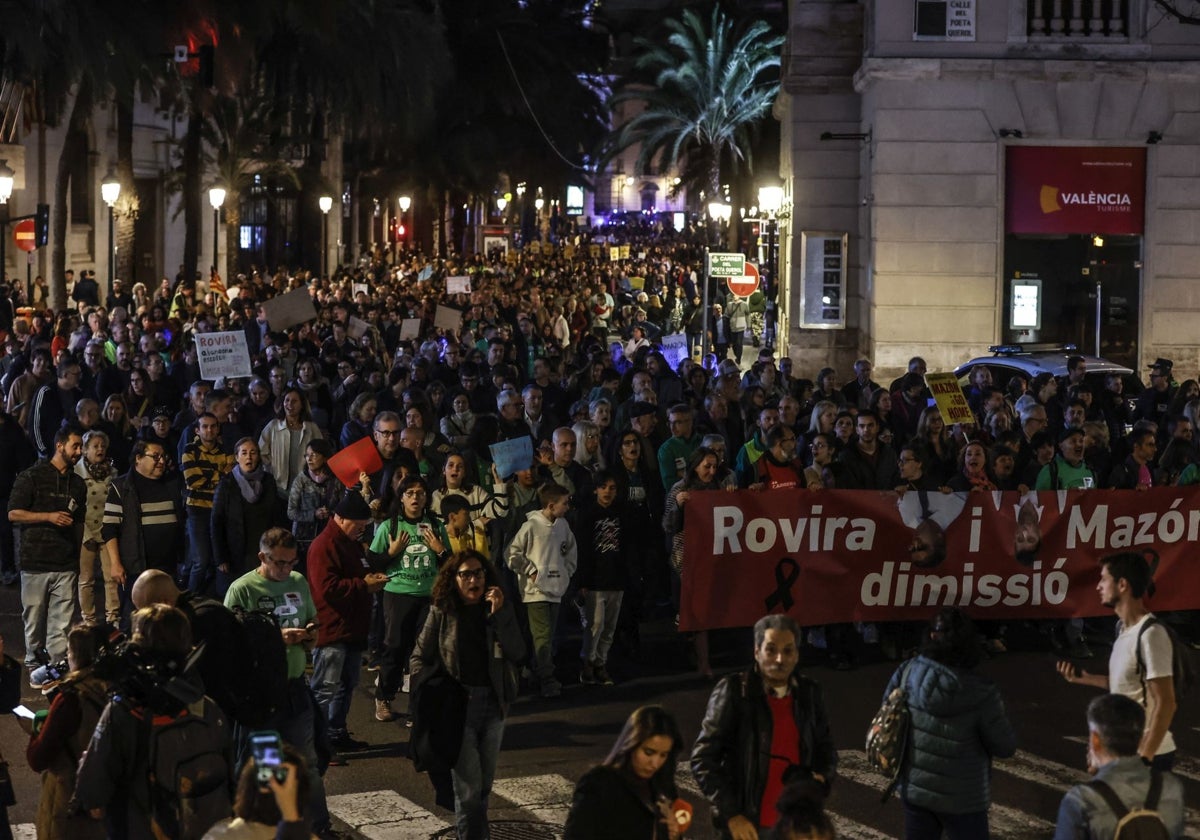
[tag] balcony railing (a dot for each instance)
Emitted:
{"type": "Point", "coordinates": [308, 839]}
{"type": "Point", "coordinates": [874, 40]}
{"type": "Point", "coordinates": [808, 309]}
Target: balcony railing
{"type": "Point", "coordinates": [1077, 19]}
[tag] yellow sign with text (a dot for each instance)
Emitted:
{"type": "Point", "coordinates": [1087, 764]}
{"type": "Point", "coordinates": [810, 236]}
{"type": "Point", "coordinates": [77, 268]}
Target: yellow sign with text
{"type": "Point", "coordinates": [950, 399]}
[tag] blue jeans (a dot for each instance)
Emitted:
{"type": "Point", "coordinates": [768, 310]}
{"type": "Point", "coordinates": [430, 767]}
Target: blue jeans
{"type": "Point", "coordinates": [923, 824]}
{"type": "Point", "coordinates": [202, 569]}
{"type": "Point", "coordinates": [336, 669]}
{"type": "Point", "coordinates": [47, 609]}
{"type": "Point", "coordinates": [476, 766]}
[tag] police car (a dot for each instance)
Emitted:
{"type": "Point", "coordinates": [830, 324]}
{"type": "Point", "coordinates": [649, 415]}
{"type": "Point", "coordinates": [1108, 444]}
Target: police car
{"type": "Point", "coordinates": [1029, 360]}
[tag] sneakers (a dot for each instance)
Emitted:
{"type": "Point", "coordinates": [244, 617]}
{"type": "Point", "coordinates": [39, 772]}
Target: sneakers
{"type": "Point", "coordinates": [587, 676]}
{"type": "Point", "coordinates": [601, 675]}
{"type": "Point", "coordinates": [383, 711]}
{"type": "Point", "coordinates": [551, 688]}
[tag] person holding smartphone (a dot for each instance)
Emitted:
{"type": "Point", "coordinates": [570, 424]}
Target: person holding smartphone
{"type": "Point", "coordinates": [270, 809]}
{"type": "Point", "coordinates": [472, 635]}
{"type": "Point", "coordinates": [409, 545]}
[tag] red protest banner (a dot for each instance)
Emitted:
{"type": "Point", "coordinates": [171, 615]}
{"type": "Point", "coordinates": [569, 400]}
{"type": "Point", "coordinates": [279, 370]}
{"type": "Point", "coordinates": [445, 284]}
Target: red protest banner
{"type": "Point", "coordinates": [841, 555]}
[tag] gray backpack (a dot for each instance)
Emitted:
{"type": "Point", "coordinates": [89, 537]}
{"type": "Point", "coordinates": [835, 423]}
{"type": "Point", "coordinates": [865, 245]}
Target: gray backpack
{"type": "Point", "coordinates": [1143, 823]}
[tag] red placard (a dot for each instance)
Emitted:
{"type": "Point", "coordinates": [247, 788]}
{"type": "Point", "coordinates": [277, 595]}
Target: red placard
{"type": "Point", "coordinates": [360, 457]}
{"type": "Point", "coordinates": [1071, 189]}
{"type": "Point", "coordinates": [835, 556]}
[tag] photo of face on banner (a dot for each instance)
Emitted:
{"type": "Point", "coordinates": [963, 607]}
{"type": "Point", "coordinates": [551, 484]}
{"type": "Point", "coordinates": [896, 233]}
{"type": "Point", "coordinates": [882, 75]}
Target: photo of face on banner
{"type": "Point", "coordinates": [1027, 536]}
{"type": "Point", "coordinates": [929, 513]}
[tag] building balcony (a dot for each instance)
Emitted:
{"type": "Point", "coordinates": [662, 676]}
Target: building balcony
{"type": "Point", "coordinates": [1077, 20]}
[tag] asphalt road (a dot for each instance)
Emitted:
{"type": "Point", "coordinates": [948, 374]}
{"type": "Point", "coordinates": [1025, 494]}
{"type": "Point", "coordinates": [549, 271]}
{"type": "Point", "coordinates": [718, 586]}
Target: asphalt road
{"type": "Point", "coordinates": [548, 744]}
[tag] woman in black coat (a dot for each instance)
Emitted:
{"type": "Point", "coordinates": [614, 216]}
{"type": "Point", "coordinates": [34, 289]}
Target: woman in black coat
{"type": "Point", "coordinates": [631, 794]}
{"type": "Point", "coordinates": [245, 506]}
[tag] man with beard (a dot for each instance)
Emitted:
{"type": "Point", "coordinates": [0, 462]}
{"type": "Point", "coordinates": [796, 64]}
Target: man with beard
{"type": "Point", "coordinates": [49, 502]}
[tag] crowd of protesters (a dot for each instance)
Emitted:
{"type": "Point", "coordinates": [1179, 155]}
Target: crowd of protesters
{"type": "Point", "coordinates": [118, 459]}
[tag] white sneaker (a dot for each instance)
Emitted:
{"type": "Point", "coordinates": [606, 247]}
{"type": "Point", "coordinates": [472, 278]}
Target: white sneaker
{"type": "Point", "coordinates": [383, 711]}
{"type": "Point", "coordinates": [404, 688]}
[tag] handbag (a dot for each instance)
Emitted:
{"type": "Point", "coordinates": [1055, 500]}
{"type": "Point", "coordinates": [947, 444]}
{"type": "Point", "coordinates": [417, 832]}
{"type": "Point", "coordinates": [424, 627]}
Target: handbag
{"type": "Point", "coordinates": [8, 796]}
{"type": "Point", "coordinates": [887, 736]}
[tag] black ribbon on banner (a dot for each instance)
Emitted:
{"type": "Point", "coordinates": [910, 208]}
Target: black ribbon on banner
{"type": "Point", "coordinates": [784, 581]}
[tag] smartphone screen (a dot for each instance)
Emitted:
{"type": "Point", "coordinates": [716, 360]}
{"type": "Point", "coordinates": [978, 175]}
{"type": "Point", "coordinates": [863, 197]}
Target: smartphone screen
{"type": "Point", "coordinates": [267, 750]}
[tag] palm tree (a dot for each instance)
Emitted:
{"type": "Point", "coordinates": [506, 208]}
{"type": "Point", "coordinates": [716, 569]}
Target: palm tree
{"type": "Point", "coordinates": [703, 90]}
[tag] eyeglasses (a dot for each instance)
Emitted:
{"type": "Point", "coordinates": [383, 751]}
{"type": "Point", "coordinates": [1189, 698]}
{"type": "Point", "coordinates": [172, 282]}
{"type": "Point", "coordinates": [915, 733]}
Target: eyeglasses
{"type": "Point", "coordinates": [387, 432]}
{"type": "Point", "coordinates": [154, 456]}
{"type": "Point", "coordinates": [414, 494]}
{"type": "Point", "coordinates": [470, 574]}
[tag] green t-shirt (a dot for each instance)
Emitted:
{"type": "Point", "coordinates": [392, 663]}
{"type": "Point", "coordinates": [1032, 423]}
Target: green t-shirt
{"type": "Point", "coordinates": [414, 570]}
{"type": "Point", "coordinates": [290, 600]}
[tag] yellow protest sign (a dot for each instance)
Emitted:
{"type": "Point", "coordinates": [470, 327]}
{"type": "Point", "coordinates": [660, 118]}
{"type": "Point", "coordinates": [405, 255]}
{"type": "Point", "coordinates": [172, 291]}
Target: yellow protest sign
{"type": "Point", "coordinates": [637, 283]}
{"type": "Point", "coordinates": [950, 399]}
{"type": "Point", "coordinates": [624, 252]}
{"type": "Point", "coordinates": [534, 247]}
{"type": "Point", "coordinates": [614, 253]}
{"type": "Point", "coordinates": [569, 251]}
{"type": "Point", "coordinates": [594, 251]}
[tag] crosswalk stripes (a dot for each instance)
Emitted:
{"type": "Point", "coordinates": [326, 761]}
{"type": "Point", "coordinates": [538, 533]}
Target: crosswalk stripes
{"type": "Point", "coordinates": [24, 831]}
{"type": "Point", "coordinates": [1003, 821]}
{"type": "Point", "coordinates": [546, 797]}
{"type": "Point", "coordinates": [384, 815]}
{"type": "Point", "coordinates": [1185, 766]}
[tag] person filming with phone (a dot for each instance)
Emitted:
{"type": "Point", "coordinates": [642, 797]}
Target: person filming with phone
{"type": "Point", "coordinates": [464, 672]}
{"type": "Point", "coordinates": [273, 808]}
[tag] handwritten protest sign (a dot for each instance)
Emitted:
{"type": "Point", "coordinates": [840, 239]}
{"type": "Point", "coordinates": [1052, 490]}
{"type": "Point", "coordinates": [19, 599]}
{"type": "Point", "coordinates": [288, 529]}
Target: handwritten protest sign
{"type": "Point", "coordinates": [674, 349]}
{"type": "Point", "coordinates": [360, 287]}
{"type": "Point", "coordinates": [951, 401]}
{"type": "Point", "coordinates": [222, 354]}
{"type": "Point", "coordinates": [509, 456]}
{"type": "Point", "coordinates": [357, 328]}
{"type": "Point", "coordinates": [296, 307]}
{"type": "Point", "coordinates": [458, 285]}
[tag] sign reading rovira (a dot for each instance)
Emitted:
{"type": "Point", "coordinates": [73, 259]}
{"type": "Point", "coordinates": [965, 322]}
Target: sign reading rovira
{"type": "Point", "coordinates": [726, 265]}
{"type": "Point", "coordinates": [223, 354]}
{"type": "Point", "coordinates": [1069, 189]}
{"type": "Point", "coordinates": [849, 555]}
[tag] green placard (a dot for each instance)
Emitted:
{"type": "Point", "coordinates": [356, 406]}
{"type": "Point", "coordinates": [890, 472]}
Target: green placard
{"type": "Point", "coordinates": [726, 265]}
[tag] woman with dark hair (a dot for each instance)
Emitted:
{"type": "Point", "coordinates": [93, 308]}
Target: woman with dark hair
{"type": "Point", "coordinates": [361, 415]}
{"type": "Point", "coordinates": [282, 443]}
{"type": "Point", "coordinates": [629, 794]}
{"type": "Point", "coordinates": [274, 811]}
{"type": "Point", "coordinates": [701, 475]}
{"type": "Point", "coordinates": [801, 809]}
{"type": "Point", "coordinates": [472, 636]}
{"type": "Point", "coordinates": [320, 401]}
{"type": "Point", "coordinates": [245, 506]}
{"type": "Point", "coordinates": [973, 474]}
{"type": "Point", "coordinates": [410, 544]}
{"type": "Point", "coordinates": [313, 495]}
{"type": "Point", "coordinates": [958, 726]}
{"type": "Point", "coordinates": [932, 432]}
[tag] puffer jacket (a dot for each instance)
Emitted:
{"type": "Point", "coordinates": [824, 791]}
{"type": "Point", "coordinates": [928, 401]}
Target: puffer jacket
{"type": "Point", "coordinates": [437, 645]}
{"type": "Point", "coordinates": [733, 752]}
{"type": "Point", "coordinates": [958, 727]}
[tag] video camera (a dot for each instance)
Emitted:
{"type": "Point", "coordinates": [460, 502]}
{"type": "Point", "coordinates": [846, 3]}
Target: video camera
{"type": "Point", "coordinates": [148, 678]}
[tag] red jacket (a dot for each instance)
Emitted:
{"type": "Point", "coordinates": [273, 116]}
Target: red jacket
{"type": "Point", "coordinates": [336, 568]}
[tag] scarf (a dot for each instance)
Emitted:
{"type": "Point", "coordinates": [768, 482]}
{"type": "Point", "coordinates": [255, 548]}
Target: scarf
{"type": "Point", "coordinates": [99, 472]}
{"type": "Point", "coordinates": [251, 483]}
{"type": "Point", "coordinates": [318, 478]}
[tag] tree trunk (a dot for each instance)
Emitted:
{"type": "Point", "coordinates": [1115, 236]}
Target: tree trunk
{"type": "Point", "coordinates": [191, 193]}
{"type": "Point", "coordinates": [81, 111]}
{"type": "Point", "coordinates": [127, 207]}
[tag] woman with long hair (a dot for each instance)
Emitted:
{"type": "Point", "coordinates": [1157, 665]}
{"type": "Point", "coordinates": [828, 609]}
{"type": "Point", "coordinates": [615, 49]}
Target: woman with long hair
{"type": "Point", "coordinates": [701, 475]}
{"type": "Point", "coordinates": [361, 415]}
{"type": "Point", "coordinates": [471, 636]}
{"type": "Point", "coordinates": [958, 725]}
{"type": "Point", "coordinates": [316, 392]}
{"type": "Point", "coordinates": [588, 453]}
{"type": "Point", "coordinates": [629, 794]}
{"type": "Point", "coordinates": [120, 444]}
{"type": "Point", "coordinates": [283, 441]}
{"type": "Point", "coordinates": [138, 399]}
{"type": "Point", "coordinates": [932, 432]}
{"type": "Point", "coordinates": [973, 473]}
{"type": "Point", "coordinates": [458, 479]}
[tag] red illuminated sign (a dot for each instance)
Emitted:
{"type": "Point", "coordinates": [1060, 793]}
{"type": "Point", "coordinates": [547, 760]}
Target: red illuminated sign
{"type": "Point", "coordinates": [1071, 189]}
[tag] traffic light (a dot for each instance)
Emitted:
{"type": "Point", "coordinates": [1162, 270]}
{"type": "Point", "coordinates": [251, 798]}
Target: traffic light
{"type": "Point", "coordinates": [400, 233]}
{"type": "Point", "coordinates": [41, 226]}
{"type": "Point", "coordinates": [208, 70]}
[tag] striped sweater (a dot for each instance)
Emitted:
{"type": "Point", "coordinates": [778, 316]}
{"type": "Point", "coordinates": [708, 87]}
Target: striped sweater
{"type": "Point", "coordinates": [203, 465]}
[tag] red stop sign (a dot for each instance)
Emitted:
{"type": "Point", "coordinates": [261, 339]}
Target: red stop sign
{"type": "Point", "coordinates": [744, 286]}
{"type": "Point", "coordinates": [24, 236]}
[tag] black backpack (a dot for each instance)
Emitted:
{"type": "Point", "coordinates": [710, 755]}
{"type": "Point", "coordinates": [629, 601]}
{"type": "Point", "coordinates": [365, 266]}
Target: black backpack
{"type": "Point", "coordinates": [259, 673]}
{"type": "Point", "coordinates": [188, 776]}
{"type": "Point", "coordinates": [1183, 664]}
{"type": "Point", "coordinates": [1143, 823]}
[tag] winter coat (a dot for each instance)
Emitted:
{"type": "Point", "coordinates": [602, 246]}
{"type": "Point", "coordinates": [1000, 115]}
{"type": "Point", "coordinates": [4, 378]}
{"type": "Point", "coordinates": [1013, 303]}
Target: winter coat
{"type": "Point", "coordinates": [547, 548]}
{"type": "Point", "coordinates": [732, 755]}
{"type": "Point", "coordinates": [958, 726]}
{"type": "Point", "coordinates": [606, 803]}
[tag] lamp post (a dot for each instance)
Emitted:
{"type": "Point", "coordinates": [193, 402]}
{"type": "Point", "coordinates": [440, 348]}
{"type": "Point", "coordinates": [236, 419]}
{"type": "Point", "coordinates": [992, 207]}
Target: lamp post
{"type": "Point", "coordinates": [405, 202]}
{"type": "Point", "coordinates": [501, 203]}
{"type": "Point", "coordinates": [325, 202]}
{"type": "Point", "coordinates": [770, 200]}
{"type": "Point", "coordinates": [216, 198]}
{"type": "Point", "coordinates": [110, 191]}
{"type": "Point", "coordinates": [717, 211]}
{"type": "Point", "coordinates": [7, 178]}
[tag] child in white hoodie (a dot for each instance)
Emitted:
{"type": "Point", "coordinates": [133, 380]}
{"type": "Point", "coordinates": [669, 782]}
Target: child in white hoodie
{"type": "Point", "coordinates": [543, 555]}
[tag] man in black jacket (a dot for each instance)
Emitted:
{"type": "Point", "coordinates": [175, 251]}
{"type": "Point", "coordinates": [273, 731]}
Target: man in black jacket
{"type": "Point", "coordinates": [735, 760]}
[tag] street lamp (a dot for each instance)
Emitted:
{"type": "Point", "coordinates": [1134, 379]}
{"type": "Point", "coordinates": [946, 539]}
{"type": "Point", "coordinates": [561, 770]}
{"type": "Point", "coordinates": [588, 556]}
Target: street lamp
{"type": "Point", "coordinates": [216, 198]}
{"type": "Point", "coordinates": [770, 200]}
{"type": "Point", "coordinates": [405, 202]}
{"type": "Point", "coordinates": [501, 203]}
{"type": "Point", "coordinates": [110, 191]}
{"type": "Point", "coordinates": [325, 202]}
{"type": "Point", "coordinates": [7, 177]}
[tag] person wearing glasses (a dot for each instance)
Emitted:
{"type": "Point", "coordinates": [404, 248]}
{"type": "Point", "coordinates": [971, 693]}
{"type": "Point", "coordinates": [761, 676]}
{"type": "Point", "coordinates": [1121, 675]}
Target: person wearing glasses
{"type": "Point", "coordinates": [144, 519]}
{"type": "Point", "coordinates": [779, 468]}
{"type": "Point", "coordinates": [409, 545]}
{"type": "Point", "coordinates": [471, 637]}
